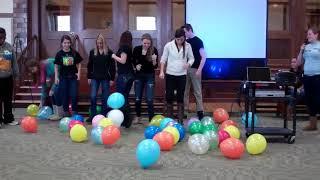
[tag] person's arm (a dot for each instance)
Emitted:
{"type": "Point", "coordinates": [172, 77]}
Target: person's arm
{"type": "Point", "coordinates": [78, 64]}
{"type": "Point", "coordinates": [155, 59]}
{"type": "Point", "coordinates": [56, 74]}
{"type": "Point", "coordinates": [190, 57]}
{"type": "Point", "coordinates": [163, 61]}
{"type": "Point", "coordinates": [122, 59]}
{"type": "Point", "coordinates": [112, 69]}
{"type": "Point", "coordinates": [300, 60]}
{"type": "Point", "coordinates": [15, 67]}
{"type": "Point", "coordinates": [136, 58]}
{"type": "Point", "coordinates": [202, 62]}
{"type": "Point", "coordinates": [90, 67]}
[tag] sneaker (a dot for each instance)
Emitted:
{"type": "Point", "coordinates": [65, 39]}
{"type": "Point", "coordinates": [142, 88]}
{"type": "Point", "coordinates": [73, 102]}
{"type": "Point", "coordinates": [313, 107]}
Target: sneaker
{"type": "Point", "coordinates": [1, 124]}
{"type": "Point", "coordinates": [54, 117]}
{"type": "Point", "coordinates": [14, 123]}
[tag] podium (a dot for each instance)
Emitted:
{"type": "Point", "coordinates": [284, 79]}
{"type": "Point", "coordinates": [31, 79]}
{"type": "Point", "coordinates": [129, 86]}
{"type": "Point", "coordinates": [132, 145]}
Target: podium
{"type": "Point", "coordinates": [250, 105]}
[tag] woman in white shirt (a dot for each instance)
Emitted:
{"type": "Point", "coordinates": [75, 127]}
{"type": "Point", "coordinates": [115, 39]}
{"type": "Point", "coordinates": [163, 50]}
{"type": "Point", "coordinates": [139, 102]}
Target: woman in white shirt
{"type": "Point", "coordinates": [178, 56]}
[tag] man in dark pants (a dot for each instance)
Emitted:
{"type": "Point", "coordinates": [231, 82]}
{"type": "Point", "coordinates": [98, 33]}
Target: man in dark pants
{"type": "Point", "coordinates": [8, 71]}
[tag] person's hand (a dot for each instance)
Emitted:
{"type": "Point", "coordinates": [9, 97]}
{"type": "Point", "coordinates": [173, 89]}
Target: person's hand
{"type": "Point", "coordinates": [113, 56]}
{"type": "Point", "coordinates": [198, 73]}
{"type": "Point", "coordinates": [78, 77]}
{"type": "Point", "coordinates": [186, 66]}
{"type": "Point", "coordinates": [302, 47]}
{"type": "Point", "coordinates": [89, 81]}
{"type": "Point", "coordinates": [50, 93]}
{"type": "Point", "coordinates": [161, 75]}
{"type": "Point", "coordinates": [154, 59]}
{"type": "Point", "coordinates": [111, 83]}
{"type": "Point", "coordinates": [56, 81]}
{"type": "Point", "coordinates": [138, 67]}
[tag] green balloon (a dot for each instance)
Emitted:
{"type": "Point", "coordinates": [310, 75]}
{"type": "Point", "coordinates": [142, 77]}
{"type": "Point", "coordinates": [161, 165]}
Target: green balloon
{"type": "Point", "coordinates": [213, 139]}
{"type": "Point", "coordinates": [207, 120]}
{"type": "Point", "coordinates": [98, 109]}
{"type": "Point", "coordinates": [210, 127]}
{"type": "Point", "coordinates": [196, 128]}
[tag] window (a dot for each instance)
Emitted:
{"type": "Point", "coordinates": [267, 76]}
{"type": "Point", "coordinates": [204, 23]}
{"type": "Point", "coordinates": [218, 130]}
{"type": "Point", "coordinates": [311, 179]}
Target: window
{"type": "Point", "coordinates": [178, 14]}
{"type": "Point", "coordinates": [98, 14]}
{"type": "Point", "coordinates": [142, 15]}
{"type": "Point", "coordinates": [313, 13]}
{"type": "Point", "coordinates": [278, 15]}
{"type": "Point", "coordinates": [58, 12]}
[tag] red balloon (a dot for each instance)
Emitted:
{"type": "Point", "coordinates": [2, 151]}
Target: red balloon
{"type": "Point", "coordinates": [232, 148]}
{"type": "Point", "coordinates": [228, 123]}
{"type": "Point", "coordinates": [220, 115]}
{"type": "Point", "coordinates": [165, 140]}
{"type": "Point", "coordinates": [223, 135]}
{"type": "Point", "coordinates": [110, 135]}
{"type": "Point", "coordinates": [29, 124]}
{"type": "Point", "coordinates": [74, 122]}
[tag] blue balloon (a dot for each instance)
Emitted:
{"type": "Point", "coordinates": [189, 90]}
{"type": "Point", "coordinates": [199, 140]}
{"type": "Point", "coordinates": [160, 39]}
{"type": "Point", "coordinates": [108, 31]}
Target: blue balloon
{"type": "Point", "coordinates": [96, 134]}
{"type": "Point", "coordinates": [77, 117]}
{"type": "Point", "coordinates": [147, 153]}
{"type": "Point", "coordinates": [256, 120]}
{"type": "Point", "coordinates": [64, 124]}
{"type": "Point", "coordinates": [45, 112]}
{"type": "Point", "coordinates": [181, 131]}
{"type": "Point", "coordinates": [151, 131]}
{"type": "Point", "coordinates": [164, 123]}
{"type": "Point", "coordinates": [116, 100]}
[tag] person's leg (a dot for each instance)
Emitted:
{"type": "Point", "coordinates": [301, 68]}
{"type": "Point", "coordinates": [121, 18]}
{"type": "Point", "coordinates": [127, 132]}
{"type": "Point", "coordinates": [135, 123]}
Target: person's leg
{"type": "Point", "coordinates": [7, 102]}
{"type": "Point", "coordinates": [181, 82]}
{"type": "Point", "coordinates": [150, 95]}
{"type": "Point", "coordinates": [1, 117]}
{"type": "Point", "coordinates": [138, 89]}
{"type": "Point", "coordinates": [73, 93]}
{"type": "Point", "coordinates": [65, 95]}
{"type": "Point", "coordinates": [105, 85]}
{"type": "Point", "coordinates": [128, 81]}
{"type": "Point", "coordinates": [170, 87]}
{"type": "Point", "coordinates": [187, 92]}
{"type": "Point", "coordinates": [197, 91]}
{"type": "Point", "coordinates": [309, 89]}
{"type": "Point", "coordinates": [94, 87]}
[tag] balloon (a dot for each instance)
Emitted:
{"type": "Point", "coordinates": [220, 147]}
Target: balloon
{"type": "Point", "coordinates": [223, 135]}
{"type": "Point", "coordinates": [110, 135]}
{"type": "Point", "coordinates": [78, 133]}
{"type": "Point", "coordinates": [116, 116]}
{"type": "Point", "coordinates": [172, 123]}
{"type": "Point", "coordinates": [228, 123]}
{"type": "Point", "coordinates": [44, 113]}
{"type": "Point", "coordinates": [105, 122]}
{"type": "Point", "coordinates": [155, 121]}
{"type": "Point", "coordinates": [233, 131]}
{"type": "Point", "coordinates": [181, 130]}
{"type": "Point", "coordinates": [64, 124]}
{"type": "Point", "coordinates": [96, 119]}
{"type": "Point", "coordinates": [198, 144]}
{"type": "Point", "coordinates": [32, 110]}
{"type": "Point", "coordinates": [256, 119]}
{"type": "Point", "coordinates": [165, 140]}
{"type": "Point", "coordinates": [256, 144]}
{"type": "Point", "coordinates": [151, 131]}
{"type": "Point", "coordinates": [207, 120]}
{"type": "Point", "coordinates": [213, 139]}
{"type": "Point", "coordinates": [77, 117]}
{"type": "Point", "coordinates": [175, 133]}
{"type": "Point", "coordinates": [191, 120]}
{"type": "Point", "coordinates": [74, 122]}
{"type": "Point", "coordinates": [29, 124]}
{"type": "Point", "coordinates": [164, 123]}
{"type": "Point", "coordinates": [220, 115]}
{"type": "Point", "coordinates": [196, 128]}
{"type": "Point", "coordinates": [96, 133]}
{"type": "Point", "coordinates": [147, 153]}
{"type": "Point", "coordinates": [210, 127]}
{"type": "Point", "coordinates": [232, 148]}
{"type": "Point", "coordinates": [98, 110]}
{"type": "Point", "coordinates": [116, 100]}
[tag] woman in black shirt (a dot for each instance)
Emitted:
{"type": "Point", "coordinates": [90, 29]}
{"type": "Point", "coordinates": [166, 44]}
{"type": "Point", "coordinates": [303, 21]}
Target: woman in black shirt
{"type": "Point", "coordinates": [67, 61]}
{"type": "Point", "coordinates": [101, 71]}
{"type": "Point", "coordinates": [125, 72]}
{"type": "Point", "coordinates": [145, 58]}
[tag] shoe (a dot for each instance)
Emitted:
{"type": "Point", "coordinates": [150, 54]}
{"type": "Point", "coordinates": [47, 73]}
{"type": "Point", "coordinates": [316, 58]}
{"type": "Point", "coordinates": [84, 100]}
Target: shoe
{"type": "Point", "coordinates": [14, 123]}
{"type": "Point", "coordinates": [54, 117]}
{"type": "Point", "coordinates": [136, 120]}
{"type": "Point", "coordinates": [312, 126]}
{"type": "Point", "coordinates": [89, 120]}
{"type": "Point", "coordinates": [200, 114]}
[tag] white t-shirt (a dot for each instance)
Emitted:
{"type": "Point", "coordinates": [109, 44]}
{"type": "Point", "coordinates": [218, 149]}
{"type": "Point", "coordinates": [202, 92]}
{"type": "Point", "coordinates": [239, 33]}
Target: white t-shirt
{"type": "Point", "coordinates": [175, 60]}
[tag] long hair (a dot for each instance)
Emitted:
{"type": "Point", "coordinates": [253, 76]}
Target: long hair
{"type": "Point", "coordinates": [180, 33]}
{"type": "Point", "coordinates": [105, 47]}
{"type": "Point", "coordinates": [150, 50]}
{"type": "Point", "coordinates": [126, 39]}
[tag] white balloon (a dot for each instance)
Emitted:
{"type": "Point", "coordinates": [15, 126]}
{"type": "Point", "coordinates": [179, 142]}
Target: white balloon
{"type": "Point", "coordinates": [116, 116]}
{"type": "Point", "coordinates": [198, 144]}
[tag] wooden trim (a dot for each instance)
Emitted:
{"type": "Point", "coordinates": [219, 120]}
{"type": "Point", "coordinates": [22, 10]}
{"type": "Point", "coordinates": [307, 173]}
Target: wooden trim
{"type": "Point", "coordinates": [6, 15]}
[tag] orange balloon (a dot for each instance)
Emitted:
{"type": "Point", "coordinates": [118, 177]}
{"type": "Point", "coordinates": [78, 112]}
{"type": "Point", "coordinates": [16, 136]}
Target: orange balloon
{"type": "Point", "coordinates": [228, 123]}
{"type": "Point", "coordinates": [220, 115]}
{"type": "Point", "coordinates": [110, 135]}
{"type": "Point", "coordinates": [29, 124]}
{"type": "Point", "coordinates": [165, 140]}
{"type": "Point", "coordinates": [232, 148]}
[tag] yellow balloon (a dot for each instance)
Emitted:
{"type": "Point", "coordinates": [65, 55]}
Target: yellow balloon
{"type": "Point", "coordinates": [233, 131]}
{"type": "Point", "coordinates": [78, 133]}
{"type": "Point", "coordinates": [256, 144]}
{"type": "Point", "coordinates": [175, 133]}
{"type": "Point", "coordinates": [105, 122]}
{"type": "Point", "coordinates": [156, 120]}
{"type": "Point", "coordinates": [32, 110]}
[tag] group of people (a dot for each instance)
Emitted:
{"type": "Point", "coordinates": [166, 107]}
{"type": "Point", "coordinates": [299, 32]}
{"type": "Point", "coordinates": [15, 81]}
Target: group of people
{"type": "Point", "coordinates": [180, 65]}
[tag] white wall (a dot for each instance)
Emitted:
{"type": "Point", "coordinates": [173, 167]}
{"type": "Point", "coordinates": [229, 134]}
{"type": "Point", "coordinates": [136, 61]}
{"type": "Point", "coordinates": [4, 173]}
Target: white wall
{"type": "Point", "coordinates": [6, 22]}
{"type": "Point", "coordinates": [6, 6]}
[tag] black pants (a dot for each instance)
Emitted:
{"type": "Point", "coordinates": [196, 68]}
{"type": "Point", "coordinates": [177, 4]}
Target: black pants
{"type": "Point", "coordinates": [312, 93]}
{"type": "Point", "coordinates": [175, 83]}
{"type": "Point", "coordinates": [6, 92]}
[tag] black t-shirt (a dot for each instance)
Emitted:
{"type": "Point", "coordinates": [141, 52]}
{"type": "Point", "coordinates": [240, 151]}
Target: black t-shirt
{"type": "Point", "coordinates": [146, 63]}
{"type": "Point", "coordinates": [68, 62]}
{"type": "Point", "coordinates": [101, 66]}
{"type": "Point", "coordinates": [128, 66]}
{"type": "Point", "coordinates": [196, 44]}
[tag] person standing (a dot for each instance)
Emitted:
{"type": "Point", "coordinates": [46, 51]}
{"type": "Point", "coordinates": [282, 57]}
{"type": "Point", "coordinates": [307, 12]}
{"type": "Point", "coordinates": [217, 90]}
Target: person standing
{"type": "Point", "coordinates": [194, 73]}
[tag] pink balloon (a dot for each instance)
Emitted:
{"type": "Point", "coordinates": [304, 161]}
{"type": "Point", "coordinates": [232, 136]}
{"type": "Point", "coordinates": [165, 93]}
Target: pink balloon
{"type": "Point", "coordinates": [74, 122]}
{"type": "Point", "coordinates": [96, 119]}
{"type": "Point", "coordinates": [223, 135]}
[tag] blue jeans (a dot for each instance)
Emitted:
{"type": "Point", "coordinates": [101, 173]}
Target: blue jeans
{"type": "Point", "coordinates": [124, 83]}
{"type": "Point", "coordinates": [144, 81]}
{"type": "Point", "coordinates": [69, 90]}
{"type": "Point", "coordinates": [95, 84]}
{"type": "Point", "coordinates": [47, 100]}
